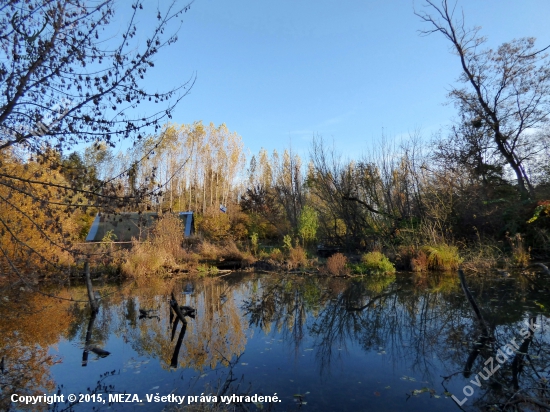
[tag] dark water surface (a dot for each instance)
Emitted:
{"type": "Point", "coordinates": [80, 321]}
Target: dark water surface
{"type": "Point", "coordinates": [319, 344]}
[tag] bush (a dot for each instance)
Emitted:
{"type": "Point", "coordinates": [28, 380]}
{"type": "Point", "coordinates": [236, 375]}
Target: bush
{"type": "Point", "coordinates": [168, 235]}
{"type": "Point", "coordinates": [336, 264]}
{"type": "Point", "coordinates": [419, 262]}
{"type": "Point", "coordinates": [213, 225]}
{"type": "Point", "coordinates": [376, 262]}
{"type": "Point", "coordinates": [442, 257]}
{"type": "Point", "coordinates": [297, 257]}
{"type": "Point", "coordinates": [277, 255]}
{"type": "Point", "coordinates": [147, 259]}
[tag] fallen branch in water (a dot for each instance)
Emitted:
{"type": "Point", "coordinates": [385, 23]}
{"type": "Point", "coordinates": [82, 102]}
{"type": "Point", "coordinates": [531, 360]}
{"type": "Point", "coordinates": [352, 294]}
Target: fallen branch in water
{"type": "Point", "coordinates": [473, 304]}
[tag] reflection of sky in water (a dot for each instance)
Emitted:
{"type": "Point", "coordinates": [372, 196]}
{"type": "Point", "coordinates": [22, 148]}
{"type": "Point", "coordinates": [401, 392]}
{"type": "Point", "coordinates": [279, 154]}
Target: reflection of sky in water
{"type": "Point", "coordinates": [360, 369]}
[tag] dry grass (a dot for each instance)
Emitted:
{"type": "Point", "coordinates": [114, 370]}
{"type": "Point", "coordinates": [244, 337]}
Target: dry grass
{"type": "Point", "coordinates": [167, 249]}
{"type": "Point", "coordinates": [482, 258]}
{"type": "Point", "coordinates": [229, 251]}
{"type": "Point", "coordinates": [226, 251]}
{"type": "Point", "coordinates": [145, 260]}
{"type": "Point", "coordinates": [208, 250]}
{"type": "Point", "coordinates": [520, 255]}
{"type": "Point", "coordinates": [336, 265]}
{"type": "Point", "coordinates": [163, 249]}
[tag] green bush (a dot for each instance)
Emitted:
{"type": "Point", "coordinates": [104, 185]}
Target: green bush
{"type": "Point", "coordinates": [376, 262]}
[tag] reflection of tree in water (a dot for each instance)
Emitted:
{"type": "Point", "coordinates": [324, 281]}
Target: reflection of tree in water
{"type": "Point", "coordinates": [284, 302]}
{"type": "Point", "coordinates": [30, 324]}
{"type": "Point", "coordinates": [423, 323]}
{"type": "Point", "coordinates": [217, 333]}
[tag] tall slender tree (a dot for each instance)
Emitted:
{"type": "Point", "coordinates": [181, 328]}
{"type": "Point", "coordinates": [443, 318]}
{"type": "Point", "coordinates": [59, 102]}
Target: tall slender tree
{"type": "Point", "coordinates": [506, 91]}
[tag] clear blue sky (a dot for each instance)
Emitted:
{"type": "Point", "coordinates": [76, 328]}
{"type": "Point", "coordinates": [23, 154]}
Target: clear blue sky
{"type": "Point", "coordinates": [278, 72]}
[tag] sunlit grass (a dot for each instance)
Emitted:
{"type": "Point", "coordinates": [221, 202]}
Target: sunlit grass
{"type": "Point", "coordinates": [442, 257]}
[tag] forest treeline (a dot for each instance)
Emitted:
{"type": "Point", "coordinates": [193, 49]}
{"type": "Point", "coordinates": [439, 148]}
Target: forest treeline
{"type": "Point", "coordinates": [399, 198]}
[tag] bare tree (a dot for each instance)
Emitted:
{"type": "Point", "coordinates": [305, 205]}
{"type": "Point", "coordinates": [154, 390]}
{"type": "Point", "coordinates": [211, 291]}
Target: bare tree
{"type": "Point", "coordinates": [506, 92]}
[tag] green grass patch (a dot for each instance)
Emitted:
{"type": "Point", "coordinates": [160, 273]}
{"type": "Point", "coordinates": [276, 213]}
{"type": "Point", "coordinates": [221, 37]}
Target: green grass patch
{"type": "Point", "coordinates": [442, 257]}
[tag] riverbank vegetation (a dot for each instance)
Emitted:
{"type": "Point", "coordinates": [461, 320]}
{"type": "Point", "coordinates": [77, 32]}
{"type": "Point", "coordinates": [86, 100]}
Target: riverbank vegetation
{"type": "Point", "coordinates": [476, 194]}
{"type": "Point", "coordinates": [386, 210]}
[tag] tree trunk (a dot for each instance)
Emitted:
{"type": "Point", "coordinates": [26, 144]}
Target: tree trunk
{"type": "Point", "coordinates": [473, 304]}
{"type": "Point", "coordinates": [93, 303]}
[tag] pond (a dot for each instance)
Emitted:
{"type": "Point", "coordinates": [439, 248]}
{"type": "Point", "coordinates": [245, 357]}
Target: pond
{"type": "Point", "coordinates": [400, 343]}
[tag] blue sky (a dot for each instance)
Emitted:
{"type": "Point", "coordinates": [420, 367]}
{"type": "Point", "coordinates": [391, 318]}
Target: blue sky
{"type": "Point", "coordinates": [279, 72]}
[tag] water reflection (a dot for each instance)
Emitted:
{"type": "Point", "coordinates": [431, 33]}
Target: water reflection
{"type": "Point", "coordinates": [423, 324]}
{"type": "Point", "coordinates": [348, 342]}
{"type": "Point", "coordinates": [30, 324]}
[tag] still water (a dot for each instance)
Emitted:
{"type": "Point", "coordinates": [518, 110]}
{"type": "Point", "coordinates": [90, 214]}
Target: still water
{"type": "Point", "coordinates": [400, 343]}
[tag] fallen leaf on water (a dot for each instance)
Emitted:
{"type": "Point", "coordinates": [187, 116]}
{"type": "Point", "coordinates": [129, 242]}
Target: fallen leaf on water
{"type": "Point", "coordinates": [408, 378]}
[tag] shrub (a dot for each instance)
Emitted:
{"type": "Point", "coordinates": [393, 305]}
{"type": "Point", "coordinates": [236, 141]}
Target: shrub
{"type": "Point", "coordinates": [168, 234]}
{"type": "Point", "coordinates": [203, 270]}
{"type": "Point", "coordinates": [442, 257]}
{"type": "Point", "coordinates": [277, 255]}
{"type": "Point", "coordinates": [376, 262]}
{"type": "Point", "coordinates": [419, 262]}
{"type": "Point", "coordinates": [254, 242]}
{"type": "Point", "coordinates": [144, 260]}
{"type": "Point", "coordinates": [287, 242]}
{"type": "Point", "coordinates": [297, 257]}
{"type": "Point", "coordinates": [147, 259]}
{"type": "Point", "coordinates": [336, 264]}
{"type": "Point", "coordinates": [229, 251]}
{"type": "Point", "coordinates": [213, 225]}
